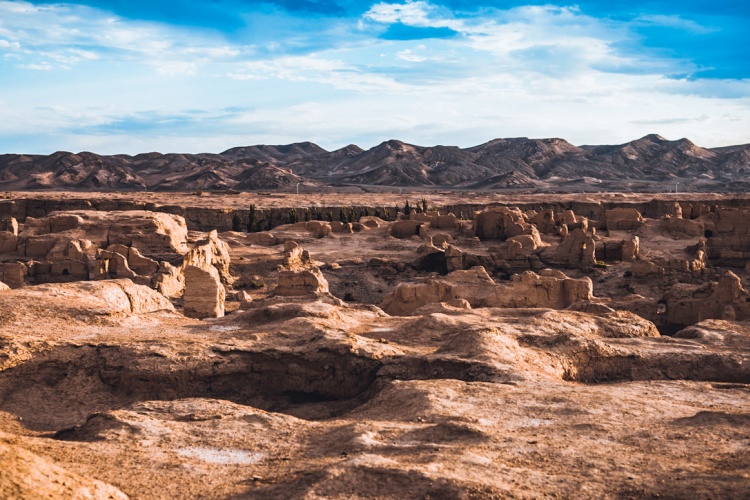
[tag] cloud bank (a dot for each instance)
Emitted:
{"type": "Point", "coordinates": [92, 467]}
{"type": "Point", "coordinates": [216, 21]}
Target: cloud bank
{"type": "Point", "coordinates": [204, 76]}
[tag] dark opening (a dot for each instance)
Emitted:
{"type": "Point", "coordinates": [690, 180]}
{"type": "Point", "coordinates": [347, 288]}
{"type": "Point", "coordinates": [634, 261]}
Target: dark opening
{"type": "Point", "coordinates": [65, 272]}
{"type": "Point", "coordinates": [669, 329]}
{"type": "Point", "coordinates": [299, 397]}
{"type": "Point", "coordinates": [434, 263]}
{"type": "Point", "coordinates": [708, 233]}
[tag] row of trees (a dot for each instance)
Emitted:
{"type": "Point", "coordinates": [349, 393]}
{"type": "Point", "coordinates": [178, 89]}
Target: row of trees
{"type": "Point", "coordinates": [418, 207]}
{"type": "Point", "coordinates": [258, 221]}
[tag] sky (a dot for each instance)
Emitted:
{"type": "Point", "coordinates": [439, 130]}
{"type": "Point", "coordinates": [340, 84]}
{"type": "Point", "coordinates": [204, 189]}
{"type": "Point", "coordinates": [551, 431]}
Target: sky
{"type": "Point", "coordinates": [131, 76]}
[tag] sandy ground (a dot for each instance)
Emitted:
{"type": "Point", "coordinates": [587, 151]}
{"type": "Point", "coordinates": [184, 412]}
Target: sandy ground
{"type": "Point", "coordinates": [434, 198]}
{"type": "Point", "coordinates": [315, 397]}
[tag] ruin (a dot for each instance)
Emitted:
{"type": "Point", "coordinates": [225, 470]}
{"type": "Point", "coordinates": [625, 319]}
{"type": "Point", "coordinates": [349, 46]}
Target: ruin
{"type": "Point", "coordinates": [154, 354]}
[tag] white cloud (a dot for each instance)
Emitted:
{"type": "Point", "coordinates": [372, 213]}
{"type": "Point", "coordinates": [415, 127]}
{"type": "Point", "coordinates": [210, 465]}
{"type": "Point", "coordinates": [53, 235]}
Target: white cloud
{"type": "Point", "coordinates": [675, 22]}
{"type": "Point", "coordinates": [410, 55]}
{"type": "Point", "coordinates": [52, 36]}
{"type": "Point", "coordinates": [320, 70]}
{"type": "Point", "coordinates": [37, 67]}
{"type": "Point", "coordinates": [5, 44]}
{"type": "Point", "coordinates": [174, 68]}
{"type": "Point", "coordinates": [535, 71]}
{"type": "Point", "coordinates": [412, 13]}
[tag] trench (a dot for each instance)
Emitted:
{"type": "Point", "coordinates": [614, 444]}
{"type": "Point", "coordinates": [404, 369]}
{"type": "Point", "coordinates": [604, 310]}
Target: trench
{"type": "Point", "coordinates": [68, 383]}
{"type": "Point", "coordinates": [591, 368]}
{"type": "Point", "coordinates": [65, 385]}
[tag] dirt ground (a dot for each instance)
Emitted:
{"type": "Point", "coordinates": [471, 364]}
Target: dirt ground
{"type": "Point", "coordinates": [328, 396]}
{"type": "Point", "coordinates": [304, 199]}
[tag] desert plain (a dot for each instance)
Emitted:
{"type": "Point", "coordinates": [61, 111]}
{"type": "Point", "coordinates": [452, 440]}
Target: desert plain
{"type": "Point", "coordinates": [341, 345]}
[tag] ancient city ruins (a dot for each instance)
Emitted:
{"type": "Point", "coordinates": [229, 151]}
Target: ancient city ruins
{"type": "Point", "coordinates": [251, 346]}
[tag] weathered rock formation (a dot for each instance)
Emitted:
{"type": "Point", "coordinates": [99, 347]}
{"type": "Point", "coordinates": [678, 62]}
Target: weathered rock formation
{"type": "Point", "coordinates": [149, 248]}
{"type": "Point", "coordinates": [299, 275]}
{"type": "Point", "coordinates": [577, 250]}
{"type": "Point", "coordinates": [13, 274]}
{"type": "Point", "coordinates": [204, 294]}
{"type": "Point", "coordinates": [689, 304]}
{"type": "Point", "coordinates": [549, 289]}
{"type": "Point", "coordinates": [501, 224]}
{"type": "Point", "coordinates": [90, 302]}
{"type": "Point", "coordinates": [408, 228]}
{"type": "Point", "coordinates": [612, 250]}
{"type": "Point", "coordinates": [727, 231]}
{"type": "Point", "coordinates": [8, 235]}
{"type": "Point", "coordinates": [627, 219]}
{"type": "Point", "coordinates": [87, 245]}
{"type": "Point", "coordinates": [302, 282]}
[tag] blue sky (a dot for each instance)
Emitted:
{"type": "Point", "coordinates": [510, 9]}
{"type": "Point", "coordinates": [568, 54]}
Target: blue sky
{"type": "Point", "coordinates": [128, 76]}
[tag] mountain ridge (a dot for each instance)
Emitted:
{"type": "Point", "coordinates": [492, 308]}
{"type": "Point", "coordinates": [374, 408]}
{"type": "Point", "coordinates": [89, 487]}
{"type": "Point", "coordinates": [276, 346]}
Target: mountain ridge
{"type": "Point", "coordinates": [502, 163]}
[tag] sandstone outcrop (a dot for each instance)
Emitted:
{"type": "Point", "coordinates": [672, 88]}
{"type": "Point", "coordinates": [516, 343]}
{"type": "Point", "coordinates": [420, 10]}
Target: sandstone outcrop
{"type": "Point", "coordinates": [627, 219]}
{"type": "Point", "coordinates": [726, 299]}
{"type": "Point", "coordinates": [204, 294]}
{"type": "Point", "coordinates": [88, 302]}
{"type": "Point", "coordinates": [152, 233]}
{"type": "Point", "coordinates": [3, 286]}
{"type": "Point", "coordinates": [264, 238]}
{"type": "Point", "coordinates": [407, 228]}
{"type": "Point", "coordinates": [149, 248]}
{"type": "Point", "coordinates": [13, 274]}
{"type": "Point", "coordinates": [549, 289]}
{"type": "Point", "coordinates": [86, 245]}
{"type": "Point", "coordinates": [8, 235]}
{"type": "Point", "coordinates": [501, 224]}
{"type": "Point", "coordinates": [299, 276]}
{"type": "Point", "coordinates": [211, 252]}
{"type": "Point", "coordinates": [301, 282]}
{"type": "Point", "coordinates": [577, 250]}
{"type": "Point", "coordinates": [727, 231]}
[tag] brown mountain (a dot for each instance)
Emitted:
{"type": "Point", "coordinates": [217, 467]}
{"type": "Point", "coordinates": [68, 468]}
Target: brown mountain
{"type": "Point", "coordinates": [648, 163]}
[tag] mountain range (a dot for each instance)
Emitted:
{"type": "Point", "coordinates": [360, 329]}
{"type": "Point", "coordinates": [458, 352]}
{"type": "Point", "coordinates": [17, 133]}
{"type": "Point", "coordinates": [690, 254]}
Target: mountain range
{"type": "Point", "coordinates": [520, 164]}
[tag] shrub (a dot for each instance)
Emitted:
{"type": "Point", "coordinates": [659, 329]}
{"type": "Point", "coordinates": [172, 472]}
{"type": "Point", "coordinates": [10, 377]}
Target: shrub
{"type": "Point", "coordinates": [236, 222]}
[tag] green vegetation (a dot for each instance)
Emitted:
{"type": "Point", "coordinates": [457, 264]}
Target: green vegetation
{"type": "Point", "coordinates": [407, 208]}
{"type": "Point", "coordinates": [253, 226]}
{"type": "Point", "coordinates": [236, 223]}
